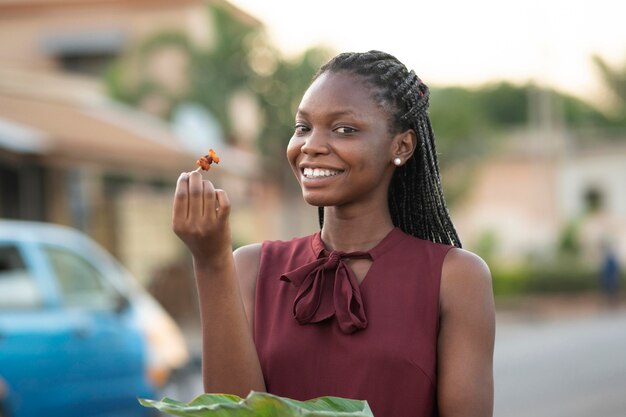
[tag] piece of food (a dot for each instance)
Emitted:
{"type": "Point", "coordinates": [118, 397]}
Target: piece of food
{"type": "Point", "coordinates": [204, 163]}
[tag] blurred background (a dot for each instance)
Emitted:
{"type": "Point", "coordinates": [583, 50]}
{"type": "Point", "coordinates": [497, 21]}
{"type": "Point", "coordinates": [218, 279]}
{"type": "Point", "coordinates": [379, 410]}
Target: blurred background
{"type": "Point", "coordinates": [104, 102]}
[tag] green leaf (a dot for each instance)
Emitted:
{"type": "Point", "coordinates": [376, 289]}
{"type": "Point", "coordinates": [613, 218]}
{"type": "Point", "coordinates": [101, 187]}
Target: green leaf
{"type": "Point", "coordinates": [261, 404]}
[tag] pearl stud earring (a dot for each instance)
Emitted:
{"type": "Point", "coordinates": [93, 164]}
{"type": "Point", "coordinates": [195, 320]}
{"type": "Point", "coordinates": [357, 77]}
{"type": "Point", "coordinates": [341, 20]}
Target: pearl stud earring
{"type": "Point", "coordinates": [397, 162]}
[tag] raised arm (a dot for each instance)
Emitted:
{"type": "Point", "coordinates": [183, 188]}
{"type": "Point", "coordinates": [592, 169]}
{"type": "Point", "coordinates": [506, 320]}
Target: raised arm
{"type": "Point", "coordinates": [466, 337]}
{"type": "Point", "coordinates": [230, 363]}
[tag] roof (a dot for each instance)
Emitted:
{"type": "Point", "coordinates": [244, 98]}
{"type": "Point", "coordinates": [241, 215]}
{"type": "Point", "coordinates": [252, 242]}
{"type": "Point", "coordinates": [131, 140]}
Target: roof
{"type": "Point", "coordinates": [26, 6]}
{"type": "Point", "coordinates": [21, 139]}
{"type": "Point", "coordinates": [69, 120]}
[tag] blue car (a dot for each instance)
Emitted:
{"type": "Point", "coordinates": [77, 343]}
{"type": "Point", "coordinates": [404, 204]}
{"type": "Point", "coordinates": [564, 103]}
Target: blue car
{"type": "Point", "coordinates": [78, 336]}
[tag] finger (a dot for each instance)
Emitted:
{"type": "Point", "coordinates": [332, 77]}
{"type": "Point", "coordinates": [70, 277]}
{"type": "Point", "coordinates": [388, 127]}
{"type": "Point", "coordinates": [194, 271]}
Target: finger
{"type": "Point", "coordinates": [181, 201]}
{"type": "Point", "coordinates": [209, 199]}
{"type": "Point", "coordinates": [195, 195]}
{"type": "Point", "coordinates": [222, 206]}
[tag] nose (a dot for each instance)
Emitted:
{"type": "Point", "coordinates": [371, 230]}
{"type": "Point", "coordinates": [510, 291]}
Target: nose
{"type": "Point", "coordinates": [315, 143]}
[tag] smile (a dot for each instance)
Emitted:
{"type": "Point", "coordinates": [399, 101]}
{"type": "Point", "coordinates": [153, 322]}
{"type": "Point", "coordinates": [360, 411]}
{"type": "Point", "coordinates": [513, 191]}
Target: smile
{"type": "Point", "coordinates": [319, 172]}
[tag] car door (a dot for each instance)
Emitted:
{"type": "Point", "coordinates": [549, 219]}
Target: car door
{"type": "Point", "coordinates": [32, 332]}
{"type": "Point", "coordinates": [107, 354]}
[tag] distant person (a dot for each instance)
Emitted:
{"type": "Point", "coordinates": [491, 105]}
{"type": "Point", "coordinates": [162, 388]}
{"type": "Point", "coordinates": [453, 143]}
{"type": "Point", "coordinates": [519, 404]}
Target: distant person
{"type": "Point", "coordinates": [382, 304]}
{"type": "Point", "coordinates": [609, 277]}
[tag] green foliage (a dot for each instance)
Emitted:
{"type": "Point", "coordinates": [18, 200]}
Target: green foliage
{"type": "Point", "coordinates": [614, 78]}
{"type": "Point", "coordinates": [487, 245]}
{"type": "Point", "coordinates": [467, 122]}
{"type": "Point", "coordinates": [564, 273]}
{"type": "Point", "coordinates": [547, 278]}
{"type": "Point", "coordinates": [118, 75]}
{"type": "Point", "coordinates": [577, 113]}
{"type": "Point", "coordinates": [279, 95]}
{"type": "Point", "coordinates": [218, 73]}
{"type": "Point", "coordinates": [114, 81]}
{"type": "Point", "coordinates": [564, 269]}
{"type": "Point", "coordinates": [509, 281]}
{"type": "Point", "coordinates": [162, 39]}
{"type": "Point", "coordinates": [504, 104]}
{"type": "Point", "coordinates": [457, 120]}
{"type": "Point", "coordinates": [261, 404]}
{"type": "Point", "coordinates": [569, 240]}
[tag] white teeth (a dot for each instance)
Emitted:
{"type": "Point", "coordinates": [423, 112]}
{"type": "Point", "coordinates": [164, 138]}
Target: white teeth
{"type": "Point", "coordinates": [318, 172]}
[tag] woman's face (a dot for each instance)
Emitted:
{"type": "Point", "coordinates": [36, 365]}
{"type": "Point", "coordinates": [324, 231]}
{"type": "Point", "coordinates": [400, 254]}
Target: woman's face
{"type": "Point", "coordinates": [341, 149]}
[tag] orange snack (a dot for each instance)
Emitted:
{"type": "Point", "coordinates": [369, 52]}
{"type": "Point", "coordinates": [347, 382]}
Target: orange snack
{"type": "Point", "coordinates": [205, 162]}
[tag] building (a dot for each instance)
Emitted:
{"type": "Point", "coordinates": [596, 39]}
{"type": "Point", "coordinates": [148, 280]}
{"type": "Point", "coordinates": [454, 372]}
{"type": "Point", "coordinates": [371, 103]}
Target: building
{"type": "Point", "coordinates": [527, 196]}
{"type": "Point", "coordinates": [71, 155]}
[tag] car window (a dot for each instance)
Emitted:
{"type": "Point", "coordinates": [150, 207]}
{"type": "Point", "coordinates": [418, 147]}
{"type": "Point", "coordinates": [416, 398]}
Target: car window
{"type": "Point", "coordinates": [18, 288]}
{"type": "Point", "coordinates": [81, 283]}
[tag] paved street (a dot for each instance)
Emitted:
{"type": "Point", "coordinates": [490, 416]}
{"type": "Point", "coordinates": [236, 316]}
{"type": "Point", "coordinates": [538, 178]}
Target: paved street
{"type": "Point", "coordinates": [561, 367]}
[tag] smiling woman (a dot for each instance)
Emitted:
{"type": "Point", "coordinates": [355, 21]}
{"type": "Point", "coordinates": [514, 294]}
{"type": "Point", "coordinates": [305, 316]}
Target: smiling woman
{"type": "Point", "coordinates": [381, 304]}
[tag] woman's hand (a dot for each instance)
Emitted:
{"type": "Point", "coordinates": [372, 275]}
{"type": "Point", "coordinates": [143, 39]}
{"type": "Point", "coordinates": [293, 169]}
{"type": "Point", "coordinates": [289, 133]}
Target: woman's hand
{"type": "Point", "coordinates": [200, 218]}
{"type": "Point", "coordinates": [230, 363]}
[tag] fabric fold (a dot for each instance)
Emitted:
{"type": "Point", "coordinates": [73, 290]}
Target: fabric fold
{"type": "Point", "coordinates": [327, 287]}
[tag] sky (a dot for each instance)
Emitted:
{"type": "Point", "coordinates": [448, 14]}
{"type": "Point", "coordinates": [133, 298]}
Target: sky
{"type": "Point", "coordinates": [452, 42]}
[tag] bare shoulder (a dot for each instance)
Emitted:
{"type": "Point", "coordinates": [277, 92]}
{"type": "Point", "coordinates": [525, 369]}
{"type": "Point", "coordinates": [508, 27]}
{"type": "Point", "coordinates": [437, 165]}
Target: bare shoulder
{"type": "Point", "coordinates": [466, 336]}
{"type": "Point", "coordinates": [464, 268]}
{"type": "Point", "coordinates": [248, 255]}
{"type": "Point", "coordinates": [464, 276]}
{"type": "Point", "coordinates": [247, 263]}
{"type": "Point", "coordinates": [247, 266]}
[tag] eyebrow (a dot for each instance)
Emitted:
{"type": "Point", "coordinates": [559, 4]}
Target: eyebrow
{"type": "Point", "coordinates": [346, 112]}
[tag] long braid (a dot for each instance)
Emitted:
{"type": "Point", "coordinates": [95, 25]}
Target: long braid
{"type": "Point", "coordinates": [416, 200]}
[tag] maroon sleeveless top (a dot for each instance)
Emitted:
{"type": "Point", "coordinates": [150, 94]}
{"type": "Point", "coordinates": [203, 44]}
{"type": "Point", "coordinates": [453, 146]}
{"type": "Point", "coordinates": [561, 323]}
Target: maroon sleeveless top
{"type": "Point", "coordinates": [318, 332]}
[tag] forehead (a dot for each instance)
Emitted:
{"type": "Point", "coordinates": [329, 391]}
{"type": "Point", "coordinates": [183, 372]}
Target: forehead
{"type": "Point", "coordinates": [339, 92]}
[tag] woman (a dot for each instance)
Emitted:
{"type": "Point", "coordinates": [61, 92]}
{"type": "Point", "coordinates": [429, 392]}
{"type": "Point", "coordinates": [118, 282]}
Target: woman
{"type": "Point", "coordinates": [382, 304]}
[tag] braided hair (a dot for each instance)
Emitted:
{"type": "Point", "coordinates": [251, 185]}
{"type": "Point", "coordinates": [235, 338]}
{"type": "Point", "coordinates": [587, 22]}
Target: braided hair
{"type": "Point", "coordinates": [416, 201]}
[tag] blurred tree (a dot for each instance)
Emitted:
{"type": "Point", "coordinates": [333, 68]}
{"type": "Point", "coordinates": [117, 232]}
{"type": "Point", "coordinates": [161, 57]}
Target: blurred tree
{"type": "Point", "coordinates": [504, 104]}
{"type": "Point", "coordinates": [241, 58]}
{"type": "Point", "coordinates": [569, 240]}
{"type": "Point", "coordinates": [579, 114]}
{"type": "Point", "coordinates": [279, 95]}
{"type": "Point", "coordinates": [130, 78]}
{"type": "Point", "coordinates": [456, 118]}
{"type": "Point", "coordinates": [614, 78]}
{"type": "Point", "coordinates": [466, 120]}
{"type": "Point", "coordinates": [224, 69]}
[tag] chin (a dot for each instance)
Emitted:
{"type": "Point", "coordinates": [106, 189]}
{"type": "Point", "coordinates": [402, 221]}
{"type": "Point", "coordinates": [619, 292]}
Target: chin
{"type": "Point", "coordinates": [318, 200]}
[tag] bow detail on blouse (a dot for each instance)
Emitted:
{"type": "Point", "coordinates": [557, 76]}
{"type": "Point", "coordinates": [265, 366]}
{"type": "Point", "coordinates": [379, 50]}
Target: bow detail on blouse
{"type": "Point", "coordinates": [327, 287]}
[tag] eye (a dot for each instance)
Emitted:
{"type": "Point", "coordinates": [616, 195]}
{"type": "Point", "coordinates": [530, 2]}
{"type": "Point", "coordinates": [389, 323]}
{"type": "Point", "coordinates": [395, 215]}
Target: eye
{"type": "Point", "coordinates": [345, 130]}
{"type": "Point", "coordinates": [301, 129]}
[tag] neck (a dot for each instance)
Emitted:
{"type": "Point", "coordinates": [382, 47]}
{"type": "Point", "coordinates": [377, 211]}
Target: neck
{"type": "Point", "coordinates": [355, 230]}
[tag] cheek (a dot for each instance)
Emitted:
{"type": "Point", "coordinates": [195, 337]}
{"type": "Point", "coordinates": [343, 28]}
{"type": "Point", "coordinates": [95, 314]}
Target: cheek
{"type": "Point", "coordinates": [371, 161]}
{"type": "Point", "coordinates": [293, 151]}
{"type": "Point", "coordinates": [370, 173]}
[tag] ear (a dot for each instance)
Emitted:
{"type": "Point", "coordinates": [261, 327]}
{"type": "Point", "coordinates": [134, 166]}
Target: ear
{"type": "Point", "coordinates": [403, 145]}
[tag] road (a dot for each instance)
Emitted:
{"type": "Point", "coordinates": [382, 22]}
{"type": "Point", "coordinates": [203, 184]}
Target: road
{"type": "Point", "coordinates": [561, 367]}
